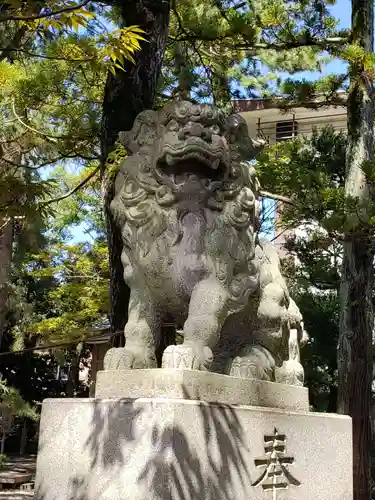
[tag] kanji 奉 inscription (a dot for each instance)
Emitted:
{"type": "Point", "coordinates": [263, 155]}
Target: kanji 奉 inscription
{"type": "Point", "coordinates": [276, 475]}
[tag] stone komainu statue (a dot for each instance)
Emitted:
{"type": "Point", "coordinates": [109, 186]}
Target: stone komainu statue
{"type": "Point", "coordinates": [185, 200]}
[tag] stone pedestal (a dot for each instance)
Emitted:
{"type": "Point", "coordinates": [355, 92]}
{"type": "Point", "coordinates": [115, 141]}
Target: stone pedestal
{"type": "Point", "coordinates": [183, 448]}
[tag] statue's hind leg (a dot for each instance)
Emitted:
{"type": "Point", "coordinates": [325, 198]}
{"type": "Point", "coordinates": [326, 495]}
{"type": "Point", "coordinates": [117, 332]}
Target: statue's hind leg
{"type": "Point", "coordinates": [142, 333]}
{"type": "Point", "coordinates": [207, 313]}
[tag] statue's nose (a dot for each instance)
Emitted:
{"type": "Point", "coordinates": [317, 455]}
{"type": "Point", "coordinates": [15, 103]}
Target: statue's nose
{"type": "Point", "coordinates": [194, 129]}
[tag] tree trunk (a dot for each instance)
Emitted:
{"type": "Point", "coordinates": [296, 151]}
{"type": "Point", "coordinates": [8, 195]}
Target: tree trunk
{"type": "Point", "coordinates": [126, 95]}
{"type": "Point", "coordinates": [356, 319]}
{"type": "Point", "coordinates": [12, 151]}
{"type": "Point", "coordinates": [23, 441]}
{"type": "Point", "coordinates": [6, 244]}
{"type": "Point", "coordinates": [3, 437]}
{"type": "Point", "coordinates": [73, 375]}
{"type": "Point", "coordinates": [332, 400]}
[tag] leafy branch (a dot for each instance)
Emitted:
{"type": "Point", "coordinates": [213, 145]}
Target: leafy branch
{"type": "Point", "coordinates": [45, 14]}
{"type": "Point", "coordinates": [45, 56]}
{"type": "Point", "coordinates": [74, 190]}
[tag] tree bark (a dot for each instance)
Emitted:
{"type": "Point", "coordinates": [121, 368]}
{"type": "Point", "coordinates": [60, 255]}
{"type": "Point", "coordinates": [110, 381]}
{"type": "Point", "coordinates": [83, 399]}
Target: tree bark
{"type": "Point", "coordinates": [6, 240]}
{"type": "Point", "coordinates": [356, 319]}
{"type": "Point", "coordinates": [126, 95]}
{"type": "Point", "coordinates": [23, 441]}
{"type": "Point", "coordinates": [73, 376]}
{"type": "Point", "coordinates": [11, 151]}
{"type": "Point", "coordinates": [6, 244]}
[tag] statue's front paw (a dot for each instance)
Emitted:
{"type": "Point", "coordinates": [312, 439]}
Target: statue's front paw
{"type": "Point", "coordinates": [291, 373]}
{"type": "Point", "coordinates": [129, 357]}
{"type": "Point", "coordinates": [118, 358]}
{"type": "Point", "coordinates": [187, 357]}
{"type": "Point", "coordinates": [253, 362]}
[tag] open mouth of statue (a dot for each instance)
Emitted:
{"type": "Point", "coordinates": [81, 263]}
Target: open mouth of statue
{"type": "Point", "coordinates": [195, 152]}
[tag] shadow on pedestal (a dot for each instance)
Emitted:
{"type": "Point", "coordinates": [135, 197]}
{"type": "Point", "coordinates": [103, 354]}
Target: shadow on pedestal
{"type": "Point", "coordinates": [174, 469]}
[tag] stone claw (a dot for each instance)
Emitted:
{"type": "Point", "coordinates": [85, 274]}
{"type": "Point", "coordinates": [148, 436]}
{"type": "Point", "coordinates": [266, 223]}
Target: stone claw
{"type": "Point", "coordinates": [291, 373]}
{"type": "Point", "coordinates": [129, 357]}
{"type": "Point", "coordinates": [187, 357]}
{"type": "Point", "coordinates": [253, 362]}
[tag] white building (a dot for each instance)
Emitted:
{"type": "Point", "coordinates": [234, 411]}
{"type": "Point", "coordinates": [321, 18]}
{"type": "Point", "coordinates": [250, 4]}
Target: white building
{"type": "Point", "coordinates": [265, 120]}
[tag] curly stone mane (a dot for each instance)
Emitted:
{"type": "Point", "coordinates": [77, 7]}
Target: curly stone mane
{"type": "Point", "coordinates": [185, 200]}
{"type": "Point", "coordinates": [148, 200]}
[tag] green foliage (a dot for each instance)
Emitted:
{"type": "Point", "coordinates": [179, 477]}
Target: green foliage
{"type": "Point", "coordinates": [119, 45]}
{"type": "Point", "coordinates": [115, 157]}
{"type": "Point", "coordinates": [77, 298]}
{"type": "Point", "coordinates": [81, 209]}
{"type": "Point", "coordinates": [311, 172]}
{"type": "Point", "coordinates": [321, 316]}
{"type": "Point", "coordinates": [48, 20]}
{"type": "Point", "coordinates": [3, 461]}
{"type": "Point", "coordinates": [13, 404]}
{"type": "Point", "coordinates": [54, 59]}
{"type": "Point", "coordinates": [223, 49]}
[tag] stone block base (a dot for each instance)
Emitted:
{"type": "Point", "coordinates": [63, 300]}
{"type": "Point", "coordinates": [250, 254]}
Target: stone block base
{"type": "Point", "coordinates": [180, 449]}
{"type": "Point", "coordinates": [199, 385]}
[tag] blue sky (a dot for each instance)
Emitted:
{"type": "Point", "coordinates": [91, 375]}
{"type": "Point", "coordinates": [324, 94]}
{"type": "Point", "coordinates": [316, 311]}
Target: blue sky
{"type": "Point", "coordinates": [342, 12]}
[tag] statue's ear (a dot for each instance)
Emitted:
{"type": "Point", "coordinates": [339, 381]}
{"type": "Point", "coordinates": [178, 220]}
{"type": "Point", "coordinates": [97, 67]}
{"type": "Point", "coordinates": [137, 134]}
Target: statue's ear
{"type": "Point", "coordinates": [143, 133]}
{"type": "Point", "coordinates": [238, 135]}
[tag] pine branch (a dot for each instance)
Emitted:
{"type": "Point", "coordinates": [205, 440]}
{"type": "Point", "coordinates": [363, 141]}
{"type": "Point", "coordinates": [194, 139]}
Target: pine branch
{"type": "Point", "coordinates": [75, 189]}
{"type": "Point", "coordinates": [312, 42]}
{"type": "Point", "coordinates": [222, 11]}
{"type": "Point", "coordinates": [50, 161]}
{"type": "Point", "coordinates": [280, 234]}
{"type": "Point", "coordinates": [329, 101]}
{"type": "Point", "coordinates": [46, 14]}
{"type": "Point", "coordinates": [278, 197]}
{"type": "Point", "coordinates": [240, 5]}
{"type": "Point", "coordinates": [50, 138]}
{"type": "Point", "coordinates": [5, 224]}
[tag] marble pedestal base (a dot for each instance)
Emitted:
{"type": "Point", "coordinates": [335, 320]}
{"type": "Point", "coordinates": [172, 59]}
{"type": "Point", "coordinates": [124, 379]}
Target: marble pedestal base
{"type": "Point", "coordinates": [183, 449]}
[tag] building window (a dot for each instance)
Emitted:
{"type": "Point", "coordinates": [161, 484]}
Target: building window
{"type": "Point", "coordinates": [286, 130]}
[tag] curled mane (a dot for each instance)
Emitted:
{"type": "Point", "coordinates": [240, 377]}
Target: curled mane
{"type": "Point", "coordinates": [141, 194]}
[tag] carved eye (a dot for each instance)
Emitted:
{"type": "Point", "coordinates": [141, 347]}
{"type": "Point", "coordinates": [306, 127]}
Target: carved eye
{"type": "Point", "coordinates": [215, 129]}
{"type": "Point", "coordinates": [173, 125]}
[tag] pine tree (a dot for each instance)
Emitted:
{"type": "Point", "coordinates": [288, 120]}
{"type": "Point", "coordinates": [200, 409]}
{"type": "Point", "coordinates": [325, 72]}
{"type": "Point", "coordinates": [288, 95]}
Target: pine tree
{"type": "Point", "coordinates": [355, 358]}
